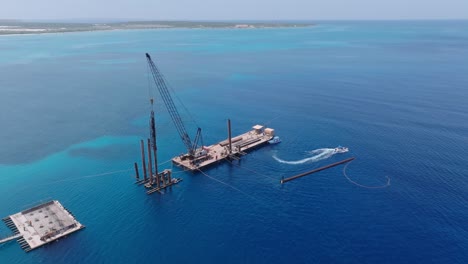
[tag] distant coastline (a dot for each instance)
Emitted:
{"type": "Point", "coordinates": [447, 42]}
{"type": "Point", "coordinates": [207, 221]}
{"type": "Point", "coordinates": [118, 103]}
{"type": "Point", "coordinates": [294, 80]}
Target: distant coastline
{"type": "Point", "coordinates": [12, 27]}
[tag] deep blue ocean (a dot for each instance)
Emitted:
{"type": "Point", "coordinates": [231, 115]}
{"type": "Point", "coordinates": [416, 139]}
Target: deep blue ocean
{"type": "Point", "coordinates": [74, 106]}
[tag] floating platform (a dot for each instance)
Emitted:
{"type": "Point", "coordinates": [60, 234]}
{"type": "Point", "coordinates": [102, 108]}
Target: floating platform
{"type": "Point", "coordinates": [210, 155]}
{"type": "Point", "coordinates": [41, 224]}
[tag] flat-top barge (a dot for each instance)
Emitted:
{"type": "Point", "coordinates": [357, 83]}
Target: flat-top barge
{"type": "Point", "coordinates": [231, 148]}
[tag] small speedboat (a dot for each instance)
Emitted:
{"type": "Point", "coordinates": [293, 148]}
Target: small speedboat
{"type": "Point", "coordinates": [341, 149]}
{"type": "Point", "coordinates": [274, 140]}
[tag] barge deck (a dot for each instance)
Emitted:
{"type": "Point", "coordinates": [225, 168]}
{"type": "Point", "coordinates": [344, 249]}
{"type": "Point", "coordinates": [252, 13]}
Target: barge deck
{"type": "Point", "coordinates": [231, 148]}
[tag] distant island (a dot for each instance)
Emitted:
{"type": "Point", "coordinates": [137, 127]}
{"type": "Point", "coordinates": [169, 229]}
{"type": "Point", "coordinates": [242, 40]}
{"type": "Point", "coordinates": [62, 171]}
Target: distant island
{"type": "Point", "coordinates": [8, 27]}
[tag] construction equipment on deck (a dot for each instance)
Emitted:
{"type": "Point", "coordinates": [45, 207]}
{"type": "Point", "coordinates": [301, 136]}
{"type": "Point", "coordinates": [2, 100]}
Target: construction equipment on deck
{"type": "Point", "coordinates": [160, 82]}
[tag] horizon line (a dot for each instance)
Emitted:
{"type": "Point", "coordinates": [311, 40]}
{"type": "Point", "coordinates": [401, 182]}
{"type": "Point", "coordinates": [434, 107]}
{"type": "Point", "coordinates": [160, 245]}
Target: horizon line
{"type": "Point", "coordinates": [114, 20]}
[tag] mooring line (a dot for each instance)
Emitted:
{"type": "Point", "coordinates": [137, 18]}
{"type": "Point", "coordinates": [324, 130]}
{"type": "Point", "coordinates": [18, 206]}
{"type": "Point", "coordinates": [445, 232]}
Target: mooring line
{"type": "Point", "coordinates": [159, 164]}
{"type": "Point", "coordinates": [279, 214]}
{"type": "Point", "coordinates": [364, 186]}
{"type": "Point", "coordinates": [179, 172]}
{"type": "Point", "coordinates": [104, 174]}
{"type": "Point", "coordinates": [276, 117]}
{"type": "Point", "coordinates": [245, 168]}
{"type": "Point", "coordinates": [232, 187]}
{"type": "Point", "coordinates": [87, 176]}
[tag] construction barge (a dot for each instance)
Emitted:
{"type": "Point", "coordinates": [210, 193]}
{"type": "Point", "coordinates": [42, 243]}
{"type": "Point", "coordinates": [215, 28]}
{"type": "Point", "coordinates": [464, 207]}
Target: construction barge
{"type": "Point", "coordinates": [230, 149]}
{"type": "Point", "coordinates": [198, 155]}
{"type": "Point", "coordinates": [41, 225]}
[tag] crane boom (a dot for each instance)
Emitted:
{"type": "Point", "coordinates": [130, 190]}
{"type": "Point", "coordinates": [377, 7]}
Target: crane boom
{"type": "Point", "coordinates": [175, 116]}
{"type": "Point", "coordinates": [198, 137]}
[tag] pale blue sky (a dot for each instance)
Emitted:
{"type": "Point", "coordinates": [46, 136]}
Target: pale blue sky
{"type": "Point", "coordinates": [234, 9]}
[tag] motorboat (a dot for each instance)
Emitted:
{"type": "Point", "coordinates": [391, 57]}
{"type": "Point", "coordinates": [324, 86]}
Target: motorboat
{"type": "Point", "coordinates": [274, 140]}
{"type": "Point", "coordinates": [341, 149]}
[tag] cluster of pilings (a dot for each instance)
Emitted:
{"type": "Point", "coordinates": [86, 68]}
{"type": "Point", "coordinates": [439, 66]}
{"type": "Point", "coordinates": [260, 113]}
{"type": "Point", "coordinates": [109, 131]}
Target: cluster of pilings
{"type": "Point", "coordinates": [16, 234]}
{"type": "Point", "coordinates": [11, 225]}
{"type": "Point", "coordinates": [152, 179]}
{"type": "Point", "coordinates": [24, 244]}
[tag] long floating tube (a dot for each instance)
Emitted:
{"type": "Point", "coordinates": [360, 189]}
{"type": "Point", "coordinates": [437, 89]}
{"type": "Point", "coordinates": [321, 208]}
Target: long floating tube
{"type": "Point", "coordinates": [316, 170]}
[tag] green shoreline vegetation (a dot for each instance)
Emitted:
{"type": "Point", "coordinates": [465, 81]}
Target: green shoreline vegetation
{"type": "Point", "coordinates": [10, 27]}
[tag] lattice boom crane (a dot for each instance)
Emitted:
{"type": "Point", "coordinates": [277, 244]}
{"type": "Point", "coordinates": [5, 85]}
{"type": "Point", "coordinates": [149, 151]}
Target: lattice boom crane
{"type": "Point", "coordinates": [171, 108]}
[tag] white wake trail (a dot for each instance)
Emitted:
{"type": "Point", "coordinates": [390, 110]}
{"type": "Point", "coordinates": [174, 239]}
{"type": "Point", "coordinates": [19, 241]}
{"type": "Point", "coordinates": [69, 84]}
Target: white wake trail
{"type": "Point", "coordinates": [320, 154]}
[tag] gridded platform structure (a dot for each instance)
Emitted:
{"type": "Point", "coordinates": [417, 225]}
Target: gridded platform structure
{"type": "Point", "coordinates": [42, 224]}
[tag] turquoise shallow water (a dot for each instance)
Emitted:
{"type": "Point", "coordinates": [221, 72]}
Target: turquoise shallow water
{"type": "Point", "coordinates": [74, 106]}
